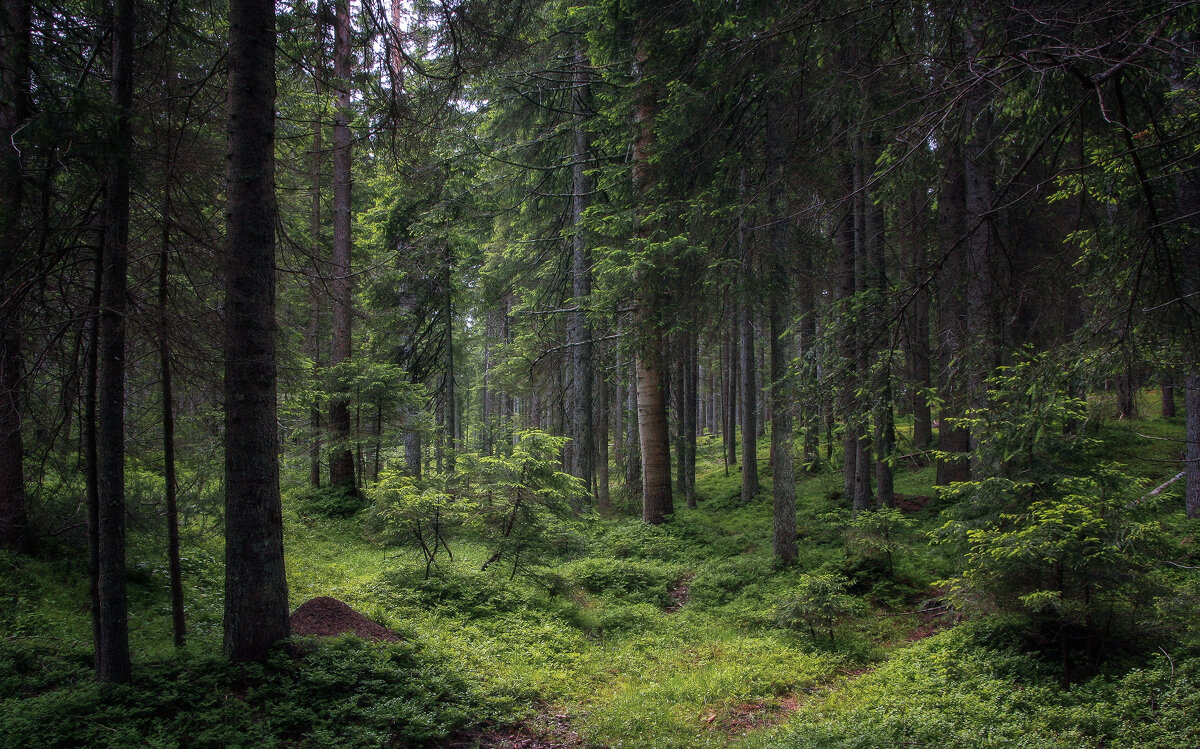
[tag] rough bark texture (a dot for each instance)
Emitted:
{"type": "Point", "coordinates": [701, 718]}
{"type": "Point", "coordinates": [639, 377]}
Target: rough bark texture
{"type": "Point", "coordinates": [90, 461]}
{"type": "Point", "coordinates": [113, 661]}
{"type": "Point", "coordinates": [341, 458]}
{"type": "Point", "coordinates": [14, 110]}
{"type": "Point", "coordinates": [256, 598]}
{"type": "Point", "coordinates": [600, 438]}
{"type": "Point", "coordinates": [1168, 397]}
{"type": "Point", "coordinates": [657, 502]}
{"type": "Point", "coordinates": [782, 397]}
{"type": "Point", "coordinates": [579, 334]}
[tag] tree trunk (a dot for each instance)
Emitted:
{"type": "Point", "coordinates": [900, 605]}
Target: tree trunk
{"type": "Point", "coordinates": [953, 439]}
{"type": "Point", "coordinates": [175, 572]}
{"type": "Point", "coordinates": [579, 334]}
{"type": "Point", "coordinates": [14, 111]}
{"type": "Point", "coordinates": [110, 431]}
{"type": "Point", "coordinates": [256, 596]}
{"type": "Point", "coordinates": [782, 396]}
{"type": "Point", "coordinates": [848, 399]}
{"type": "Point", "coordinates": [90, 459]}
{"type": "Point", "coordinates": [1191, 405]}
{"type": "Point", "coordinates": [916, 318]}
{"type": "Point", "coordinates": [600, 439]}
{"type": "Point", "coordinates": [730, 395]}
{"type": "Point", "coordinates": [1168, 396]}
{"type": "Point", "coordinates": [316, 283]}
{"type": "Point", "coordinates": [341, 459]}
{"type": "Point", "coordinates": [747, 362]}
{"type": "Point", "coordinates": [653, 435]}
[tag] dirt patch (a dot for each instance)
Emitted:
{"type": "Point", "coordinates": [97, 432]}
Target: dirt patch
{"type": "Point", "coordinates": [911, 503]}
{"type": "Point", "coordinates": [742, 718]}
{"type": "Point", "coordinates": [540, 732]}
{"type": "Point", "coordinates": [327, 617]}
{"type": "Point", "coordinates": [680, 594]}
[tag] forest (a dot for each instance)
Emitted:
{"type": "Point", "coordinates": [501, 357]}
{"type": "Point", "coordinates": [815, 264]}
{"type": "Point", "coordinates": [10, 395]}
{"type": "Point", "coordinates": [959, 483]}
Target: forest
{"type": "Point", "coordinates": [557, 374]}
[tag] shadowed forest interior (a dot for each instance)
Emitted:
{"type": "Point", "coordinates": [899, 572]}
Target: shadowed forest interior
{"type": "Point", "coordinates": [582, 373]}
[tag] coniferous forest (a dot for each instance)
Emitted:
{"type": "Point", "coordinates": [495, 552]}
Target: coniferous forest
{"type": "Point", "coordinates": [599, 373]}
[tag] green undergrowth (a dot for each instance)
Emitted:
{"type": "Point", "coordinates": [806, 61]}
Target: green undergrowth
{"type": "Point", "coordinates": [958, 690]}
{"type": "Point", "coordinates": [681, 635]}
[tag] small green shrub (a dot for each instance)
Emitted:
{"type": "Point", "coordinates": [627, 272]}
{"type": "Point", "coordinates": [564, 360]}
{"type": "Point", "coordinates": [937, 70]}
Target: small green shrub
{"type": "Point", "coordinates": [632, 581]}
{"type": "Point", "coordinates": [330, 502]}
{"type": "Point", "coordinates": [819, 600]}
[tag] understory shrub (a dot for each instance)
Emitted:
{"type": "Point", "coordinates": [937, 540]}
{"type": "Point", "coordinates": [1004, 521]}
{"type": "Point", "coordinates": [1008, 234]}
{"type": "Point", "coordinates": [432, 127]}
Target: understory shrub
{"type": "Point", "coordinates": [342, 692]}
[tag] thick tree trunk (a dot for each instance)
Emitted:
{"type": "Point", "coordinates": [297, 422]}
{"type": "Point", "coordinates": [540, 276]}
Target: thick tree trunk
{"type": "Point", "coordinates": [653, 434]}
{"type": "Point", "coordinates": [256, 596]}
{"type": "Point", "coordinates": [14, 112]}
{"type": "Point", "coordinates": [341, 458]}
{"type": "Point", "coordinates": [110, 431]}
{"type": "Point", "coordinates": [848, 399]}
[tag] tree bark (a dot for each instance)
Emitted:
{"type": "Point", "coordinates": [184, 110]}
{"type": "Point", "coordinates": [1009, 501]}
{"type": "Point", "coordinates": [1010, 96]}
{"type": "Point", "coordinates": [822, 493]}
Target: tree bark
{"type": "Point", "coordinates": [341, 458]}
{"type": "Point", "coordinates": [14, 112]}
{"type": "Point", "coordinates": [657, 502]}
{"type": "Point", "coordinates": [579, 334]}
{"type": "Point", "coordinates": [782, 396]}
{"type": "Point", "coordinates": [953, 439]}
{"type": "Point", "coordinates": [747, 363]}
{"type": "Point", "coordinates": [175, 571]}
{"type": "Point", "coordinates": [315, 283]}
{"type": "Point", "coordinates": [256, 596]}
{"type": "Point", "coordinates": [110, 431]}
{"type": "Point", "coordinates": [1168, 396]}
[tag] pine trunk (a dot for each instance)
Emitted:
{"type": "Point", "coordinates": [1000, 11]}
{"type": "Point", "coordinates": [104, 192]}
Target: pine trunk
{"type": "Point", "coordinates": [110, 430]}
{"type": "Point", "coordinates": [341, 458]}
{"type": "Point", "coordinates": [15, 19]}
{"type": "Point", "coordinates": [256, 597]}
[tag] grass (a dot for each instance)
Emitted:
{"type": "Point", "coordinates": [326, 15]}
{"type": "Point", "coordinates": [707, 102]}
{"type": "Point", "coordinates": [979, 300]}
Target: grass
{"type": "Point", "coordinates": [588, 635]}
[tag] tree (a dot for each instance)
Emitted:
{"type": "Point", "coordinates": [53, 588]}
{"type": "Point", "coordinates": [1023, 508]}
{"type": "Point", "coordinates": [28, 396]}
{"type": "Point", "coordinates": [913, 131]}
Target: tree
{"type": "Point", "coordinates": [14, 106]}
{"type": "Point", "coordinates": [256, 602]}
{"type": "Point", "coordinates": [113, 659]}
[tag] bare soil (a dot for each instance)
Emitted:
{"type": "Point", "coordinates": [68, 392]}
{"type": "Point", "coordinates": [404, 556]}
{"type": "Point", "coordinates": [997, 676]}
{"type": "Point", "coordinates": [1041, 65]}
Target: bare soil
{"type": "Point", "coordinates": [327, 617]}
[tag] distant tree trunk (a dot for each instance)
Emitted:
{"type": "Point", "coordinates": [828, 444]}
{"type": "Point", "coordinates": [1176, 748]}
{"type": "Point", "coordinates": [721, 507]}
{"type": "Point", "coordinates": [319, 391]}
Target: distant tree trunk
{"type": "Point", "coordinates": [175, 572]}
{"type": "Point", "coordinates": [690, 413]}
{"type": "Point", "coordinates": [848, 399]}
{"type": "Point", "coordinates": [808, 359]}
{"type": "Point", "coordinates": [315, 283]}
{"type": "Point", "coordinates": [730, 397]}
{"type": "Point", "coordinates": [915, 251]}
{"type": "Point", "coordinates": [600, 438]}
{"type": "Point", "coordinates": [579, 334]}
{"type": "Point", "coordinates": [15, 22]}
{"type": "Point", "coordinates": [341, 459]}
{"type": "Point", "coordinates": [256, 596]}
{"type": "Point", "coordinates": [747, 363]}
{"type": "Point", "coordinates": [953, 439]}
{"type": "Point", "coordinates": [1191, 405]}
{"type": "Point", "coordinates": [90, 459]}
{"type": "Point", "coordinates": [633, 448]}
{"type": "Point", "coordinates": [782, 396]}
{"type": "Point", "coordinates": [1168, 396]}
{"type": "Point", "coordinates": [451, 412]}
{"type": "Point", "coordinates": [110, 430]}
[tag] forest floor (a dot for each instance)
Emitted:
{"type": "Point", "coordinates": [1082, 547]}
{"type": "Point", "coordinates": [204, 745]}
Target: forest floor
{"type": "Point", "coordinates": [622, 635]}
